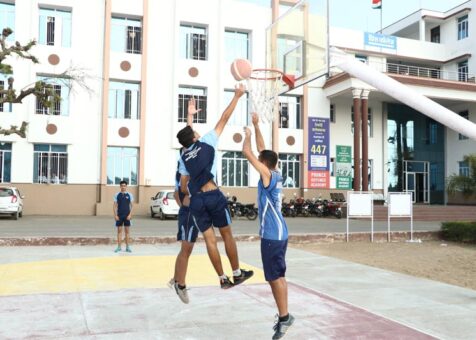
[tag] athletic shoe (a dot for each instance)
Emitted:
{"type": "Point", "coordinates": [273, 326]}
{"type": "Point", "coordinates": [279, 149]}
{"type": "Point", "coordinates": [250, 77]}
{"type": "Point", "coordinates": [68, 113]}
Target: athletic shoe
{"type": "Point", "coordinates": [181, 292]}
{"type": "Point", "coordinates": [226, 283]}
{"type": "Point", "coordinates": [245, 275]}
{"type": "Point", "coordinates": [171, 283]}
{"type": "Point", "coordinates": [128, 249]}
{"type": "Point", "coordinates": [118, 249]}
{"type": "Point", "coordinates": [281, 327]}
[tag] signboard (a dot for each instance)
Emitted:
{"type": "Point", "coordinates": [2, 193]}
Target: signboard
{"type": "Point", "coordinates": [318, 153]}
{"type": "Point", "coordinates": [380, 40]}
{"type": "Point", "coordinates": [343, 171]}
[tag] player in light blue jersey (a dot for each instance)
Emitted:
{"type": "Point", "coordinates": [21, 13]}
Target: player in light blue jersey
{"type": "Point", "coordinates": [273, 230]}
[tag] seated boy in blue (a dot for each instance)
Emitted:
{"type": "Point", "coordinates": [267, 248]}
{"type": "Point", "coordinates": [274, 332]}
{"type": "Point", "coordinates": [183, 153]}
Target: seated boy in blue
{"type": "Point", "coordinates": [273, 228]}
{"type": "Point", "coordinates": [208, 205]}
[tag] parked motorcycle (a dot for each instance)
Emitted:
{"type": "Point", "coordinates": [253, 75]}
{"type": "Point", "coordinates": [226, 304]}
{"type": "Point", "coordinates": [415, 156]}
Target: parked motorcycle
{"type": "Point", "coordinates": [238, 209]}
{"type": "Point", "coordinates": [331, 208]}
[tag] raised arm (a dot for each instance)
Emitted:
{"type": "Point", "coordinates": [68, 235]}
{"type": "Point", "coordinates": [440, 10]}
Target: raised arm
{"type": "Point", "coordinates": [192, 110]}
{"type": "Point", "coordinates": [259, 137]}
{"type": "Point", "coordinates": [239, 91]}
{"type": "Point", "coordinates": [263, 170]}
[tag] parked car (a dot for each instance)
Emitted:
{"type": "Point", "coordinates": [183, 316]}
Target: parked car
{"type": "Point", "coordinates": [164, 205]}
{"type": "Point", "coordinates": [11, 202]}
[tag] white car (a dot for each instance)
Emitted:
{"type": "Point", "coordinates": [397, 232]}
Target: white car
{"type": "Point", "coordinates": [164, 205]}
{"type": "Point", "coordinates": [11, 202]}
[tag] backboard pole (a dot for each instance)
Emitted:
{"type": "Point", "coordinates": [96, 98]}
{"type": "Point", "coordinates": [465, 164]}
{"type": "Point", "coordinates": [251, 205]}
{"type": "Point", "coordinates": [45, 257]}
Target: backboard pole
{"type": "Point", "coordinates": [274, 62]}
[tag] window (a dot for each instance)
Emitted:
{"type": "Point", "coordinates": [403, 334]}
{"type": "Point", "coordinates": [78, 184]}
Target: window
{"type": "Point", "coordinates": [4, 107]}
{"type": "Point", "coordinates": [5, 162]}
{"type": "Point", "coordinates": [332, 113]}
{"type": "Point", "coordinates": [240, 115]}
{"type": "Point", "coordinates": [7, 18]}
{"type": "Point", "coordinates": [290, 112]}
{"type": "Point", "coordinates": [193, 42]}
{"type": "Point", "coordinates": [361, 58]}
{"type": "Point", "coordinates": [122, 165]}
{"type": "Point", "coordinates": [234, 169]}
{"type": "Point", "coordinates": [432, 132]}
{"type": "Point", "coordinates": [435, 34]}
{"type": "Point", "coordinates": [463, 169]}
{"type": "Point", "coordinates": [236, 45]}
{"type": "Point", "coordinates": [55, 27]}
{"type": "Point", "coordinates": [370, 123]}
{"type": "Point", "coordinates": [464, 114]}
{"type": "Point", "coordinates": [463, 27]}
{"type": "Point", "coordinates": [50, 164]}
{"type": "Point", "coordinates": [124, 100]}
{"type": "Point", "coordinates": [463, 71]}
{"type": "Point", "coordinates": [290, 170]}
{"type": "Point", "coordinates": [200, 95]}
{"type": "Point", "coordinates": [126, 35]}
{"type": "Point", "coordinates": [61, 88]}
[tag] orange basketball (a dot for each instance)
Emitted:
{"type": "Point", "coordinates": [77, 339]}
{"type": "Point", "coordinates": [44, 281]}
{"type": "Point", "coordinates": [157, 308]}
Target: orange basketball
{"type": "Point", "coordinates": [241, 69]}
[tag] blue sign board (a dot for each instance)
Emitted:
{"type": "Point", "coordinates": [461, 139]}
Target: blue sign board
{"type": "Point", "coordinates": [318, 142]}
{"type": "Point", "coordinates": [380, 40]}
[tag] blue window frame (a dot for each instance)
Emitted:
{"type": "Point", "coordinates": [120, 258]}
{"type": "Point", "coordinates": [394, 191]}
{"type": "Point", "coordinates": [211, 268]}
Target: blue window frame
{"type": "Point", "coordinates": [7, 18]}
{"type": "Point", "coordinates": [55, 27]}
{"type": "Point", "coordinates": [5, 162]}
{"type": "Point", "coordinates": [122, 165]}
{"type": "Point", "coordinates": [463, 26]}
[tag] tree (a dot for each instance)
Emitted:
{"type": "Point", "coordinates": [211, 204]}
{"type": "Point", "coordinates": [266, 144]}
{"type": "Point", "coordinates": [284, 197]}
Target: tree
{"type": "Point", "coordinates": [464, 184]}
{"type": "Point", "coordinates": [44, 92]}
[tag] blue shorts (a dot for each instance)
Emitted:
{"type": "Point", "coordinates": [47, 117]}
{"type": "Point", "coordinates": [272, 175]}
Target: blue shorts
{"type": "Point", "coordinates": [123, 221]}
{"type": "Point", "coordinates": [273, 253]}
{"type": "Point", "coordinates": [210, 208]}
{"type": "Point", "coordinates": [187, 230]}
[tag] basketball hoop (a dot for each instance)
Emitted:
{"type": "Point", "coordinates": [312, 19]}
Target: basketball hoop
{"type": "Point", "coordinates": [264, 86]}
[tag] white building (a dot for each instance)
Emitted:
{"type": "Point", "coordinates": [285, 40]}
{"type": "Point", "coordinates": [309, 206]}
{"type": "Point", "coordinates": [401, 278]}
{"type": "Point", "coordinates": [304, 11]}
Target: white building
{"type": "Point", "coordinates": [143, 60]}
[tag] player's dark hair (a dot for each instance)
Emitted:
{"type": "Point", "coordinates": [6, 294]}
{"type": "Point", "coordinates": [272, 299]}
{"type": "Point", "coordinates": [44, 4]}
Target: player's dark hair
{"type": "Point", "coordinates": [122, 182]}
{"type": "Point", "coordinates": [269, 158]}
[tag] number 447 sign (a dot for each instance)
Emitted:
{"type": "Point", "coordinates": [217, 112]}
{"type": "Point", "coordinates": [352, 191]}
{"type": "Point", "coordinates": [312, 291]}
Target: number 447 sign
{"type": "Point", "coordinates": [318, 153]}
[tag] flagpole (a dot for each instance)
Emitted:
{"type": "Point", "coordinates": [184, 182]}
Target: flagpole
{"type": "Point", "coordinates": [381, 9]}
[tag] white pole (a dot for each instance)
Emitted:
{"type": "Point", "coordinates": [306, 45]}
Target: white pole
{"type": "Point", "coordinates": [402, 93]}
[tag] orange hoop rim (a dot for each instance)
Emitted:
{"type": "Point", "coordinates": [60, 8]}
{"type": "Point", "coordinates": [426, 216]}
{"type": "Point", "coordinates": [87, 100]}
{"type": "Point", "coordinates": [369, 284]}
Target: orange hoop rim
{"type": "Point", "coordinates": [281, 74]}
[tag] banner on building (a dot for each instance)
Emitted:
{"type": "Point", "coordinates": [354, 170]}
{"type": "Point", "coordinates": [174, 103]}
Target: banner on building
{"type": "Point", "coordinates": [343, 170]}
{"type": "Point", "coordinates": [380, 40]}
{"type": "Point", "coordinates": [318, 153]}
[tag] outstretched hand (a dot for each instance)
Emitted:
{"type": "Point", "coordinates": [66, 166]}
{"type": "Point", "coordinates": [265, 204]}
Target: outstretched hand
{"type": "Point", "coordinates": [255, 118]}
{"type": "Point", "coordinates": [247, 132]}
{"type": "Point", "coordinates": [191, 107]}
{"type": "Point", "coordinates": [239, 90]}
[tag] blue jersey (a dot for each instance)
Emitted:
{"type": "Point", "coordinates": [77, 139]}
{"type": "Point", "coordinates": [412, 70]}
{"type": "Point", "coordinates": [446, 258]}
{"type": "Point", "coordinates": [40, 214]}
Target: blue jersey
{"type": "Point", "coordinates": [123, 201]}
{"type": "Point", "coordinates": [272, 224]}
{"type": "Point", "coordinates": [199, 162]}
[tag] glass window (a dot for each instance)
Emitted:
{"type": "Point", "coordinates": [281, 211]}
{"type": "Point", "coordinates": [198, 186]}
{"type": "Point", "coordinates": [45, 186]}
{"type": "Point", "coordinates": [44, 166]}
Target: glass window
{"type": "Point", "coordinates": [435, 34]}
{"type": "Point", "coordinates": [4, 107]}
{"type": "Point", "coordinates": [126, 35]}
{"type": "Point", "coordinates": [290, 170]}
{"type": "Point", "coordinates": [122, 165]}
{"type": "Point", "coordinates": [50, 164]}
{"type": "Point", "coordinates": [370, 125]}
{"type": "Point", "coordinates": [463, 169]}
{"type": "Point", "coordinates": [462, 27]}
{"type": "Point", "coordinates": [7, 18]}
{"type": "Point", "coordinates": [240, 115]}
{"type": "Point", "coordinates": [464, 114]}
{"type": "Point", "coordinates": [124, 100]}
{"type": "Point", "coordinates": [200, 95]}
{"type": "Point", "coordinates": [236, 45]}
{"type": "Point", "coordinates": [193, 42]}
{"type": "Point", "coordinates": [61, 88]}
{"type": "Point", "coordinates": [55, 27]}
{"type": "Point", "coordinates": [332, 113]}
{"type": "Point", "coordinates": [361, 58]}
{"type": "Point", "coordinates": [432, 132]}
{"type": "Point", "coordinates": [463, 71]}
{"type": "Point", "coordinates": [290, 112]}
{"type": "Point", "coordinates": [5, 162]}
{"type": "Point", "coordinates": [234, 168]}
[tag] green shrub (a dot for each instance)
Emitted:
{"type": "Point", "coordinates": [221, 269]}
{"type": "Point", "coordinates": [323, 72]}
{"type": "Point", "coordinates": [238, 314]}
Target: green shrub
{"type": "Point", "coordinates": [459, 231]}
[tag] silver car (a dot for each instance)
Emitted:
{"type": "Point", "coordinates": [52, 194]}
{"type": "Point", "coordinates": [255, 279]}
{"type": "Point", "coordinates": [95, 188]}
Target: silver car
{"type": "Point", "coordinates": [11, 202]}
{"type": "Point", "coordinates": [164, 205]}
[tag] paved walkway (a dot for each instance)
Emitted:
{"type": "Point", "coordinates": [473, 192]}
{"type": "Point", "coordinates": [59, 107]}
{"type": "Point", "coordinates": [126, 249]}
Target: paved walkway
{"type": "Point", "coordinates": [88, 292]}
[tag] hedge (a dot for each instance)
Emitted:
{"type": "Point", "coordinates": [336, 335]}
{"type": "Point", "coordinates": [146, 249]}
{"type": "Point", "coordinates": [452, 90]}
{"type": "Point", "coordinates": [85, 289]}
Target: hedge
{"type": "Point", "coordinates": [459, 231]}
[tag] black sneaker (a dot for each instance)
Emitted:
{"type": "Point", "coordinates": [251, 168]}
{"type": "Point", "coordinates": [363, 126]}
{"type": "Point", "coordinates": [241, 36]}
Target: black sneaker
{"type": "Point", "coordinates": [226, 283]}
{"type": "Point", "coordinates": [245, 275]}
{"type": "Point", "coordinates": [281, 327]}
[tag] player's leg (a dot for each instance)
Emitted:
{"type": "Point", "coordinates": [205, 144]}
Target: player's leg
{"type": "Point", "coordinates": [181, 263]}
{"type": "Point", "coordinates": [119, 235]}
{"type": "Point", "coordinates": [127, 224]}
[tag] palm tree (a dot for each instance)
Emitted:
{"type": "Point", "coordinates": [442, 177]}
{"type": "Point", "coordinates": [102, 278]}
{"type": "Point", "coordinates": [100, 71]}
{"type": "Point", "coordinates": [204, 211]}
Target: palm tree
{"type": "Point", "coordinates": [461, 183]}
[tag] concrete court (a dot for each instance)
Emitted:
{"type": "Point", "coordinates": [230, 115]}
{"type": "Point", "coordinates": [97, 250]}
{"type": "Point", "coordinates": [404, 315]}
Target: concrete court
{"type": "Point", "coordinates": [88, 292]}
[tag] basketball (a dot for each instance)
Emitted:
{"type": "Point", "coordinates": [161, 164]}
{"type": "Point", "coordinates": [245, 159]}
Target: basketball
{"type": "Point", "coordinates": [241, 69]}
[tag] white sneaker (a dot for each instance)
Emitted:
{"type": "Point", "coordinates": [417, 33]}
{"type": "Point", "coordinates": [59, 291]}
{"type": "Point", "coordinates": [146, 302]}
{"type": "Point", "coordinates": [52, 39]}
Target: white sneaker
{"type": "Point", "coordinates": [171, 283]}
{"type": "Point", "coordinates": [182, 293]}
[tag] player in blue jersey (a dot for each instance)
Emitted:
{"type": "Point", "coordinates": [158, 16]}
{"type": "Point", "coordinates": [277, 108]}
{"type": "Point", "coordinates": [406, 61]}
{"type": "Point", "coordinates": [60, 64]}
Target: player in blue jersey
{"type": "Point", "coordinates": [273, 230]}
{"type": "Point", "coordinates": [122, 210]}
{"type": "Point", "coordinates": [187, 230]}
{"type": "Point", "coordinates": [208, 205]}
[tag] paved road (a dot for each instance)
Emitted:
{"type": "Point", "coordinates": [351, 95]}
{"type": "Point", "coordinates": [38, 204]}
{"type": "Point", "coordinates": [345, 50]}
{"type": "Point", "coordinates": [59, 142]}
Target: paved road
{"type": "Point", "coordinates": [102, 226]}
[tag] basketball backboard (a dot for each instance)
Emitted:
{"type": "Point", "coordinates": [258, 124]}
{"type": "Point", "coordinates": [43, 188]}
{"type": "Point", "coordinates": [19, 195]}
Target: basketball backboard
{"type": "Point", "coordinates": [296, 43]}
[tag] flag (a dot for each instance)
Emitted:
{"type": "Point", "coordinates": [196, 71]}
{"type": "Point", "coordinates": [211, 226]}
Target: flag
{"type": "Point", "coordinates": [376, 4]}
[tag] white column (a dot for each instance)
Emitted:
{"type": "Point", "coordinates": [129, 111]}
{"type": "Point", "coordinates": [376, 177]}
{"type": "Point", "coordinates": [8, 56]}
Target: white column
{"type": "Point", "coordinates": [422, 29]}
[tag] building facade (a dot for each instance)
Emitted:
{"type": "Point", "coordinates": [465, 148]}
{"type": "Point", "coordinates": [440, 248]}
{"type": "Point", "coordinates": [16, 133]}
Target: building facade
{"type": "Point", "coordinates": [140, 61]}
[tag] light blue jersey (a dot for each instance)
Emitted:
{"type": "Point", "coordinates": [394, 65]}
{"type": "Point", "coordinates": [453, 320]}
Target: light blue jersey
{"type": "Point", "coordinates": [272, 224]}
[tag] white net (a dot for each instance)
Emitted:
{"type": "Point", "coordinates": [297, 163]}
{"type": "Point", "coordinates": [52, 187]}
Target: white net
{"type": "Point", "coordinates": [264, 86]}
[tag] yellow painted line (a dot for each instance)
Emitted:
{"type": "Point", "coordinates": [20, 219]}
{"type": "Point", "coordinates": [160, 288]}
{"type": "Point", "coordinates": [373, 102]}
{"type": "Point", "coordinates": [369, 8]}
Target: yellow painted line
{"type": "Point", "coordinates": [107, 273]}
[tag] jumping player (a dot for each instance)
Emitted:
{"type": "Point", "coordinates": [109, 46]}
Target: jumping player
{"type": "Point", "coordinates": [273, 229]}
{"type": "Point", "coordinates": [208, 205]}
